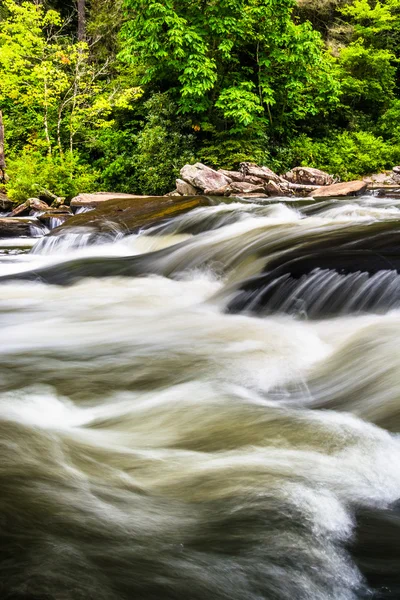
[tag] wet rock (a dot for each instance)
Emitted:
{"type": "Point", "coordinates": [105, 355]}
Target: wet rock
{"type": "Point", "coordinates": [253, 170]}
{"type": "Point", "coordinates": [204, 178]}
{"type": "Point", "coordinates": [94, 200]}
{"type": "Point", "coordinates": [21, 210]}
{"type": "Point", "coordinates": [243, 187]}
{"type": "Point", "coordinates": [5, 203]}
{"type": "Point", "coordinates": [123, 215]}
{"type": "Point", "coordinates": [16, 227]}
{"type": "Point", "coordinates": [63, 214]}
{"type": "Point", "coordinates": [232, 175]}
{"type": "Point", "coordinates": [309, 176]}
{"type": "Point", "coordinates": [38, 205]}
{"type": "Point", "coordinates": [347, 188]}
{"type": "Point", "coordinates": [185, 189]}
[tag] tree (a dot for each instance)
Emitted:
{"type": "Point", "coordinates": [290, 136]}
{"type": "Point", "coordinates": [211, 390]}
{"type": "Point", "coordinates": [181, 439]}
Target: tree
{"type": "Point", "coordinates": [2, 152]}
{"type": "Point", "coordinates": [244, 62]}
{"type": "Point", "coordinates": [81, 20]}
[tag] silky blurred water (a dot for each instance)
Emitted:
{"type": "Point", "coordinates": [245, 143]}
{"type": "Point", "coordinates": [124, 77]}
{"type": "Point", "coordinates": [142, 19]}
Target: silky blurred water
{"type": "Point", "coordinates": [172, 430]}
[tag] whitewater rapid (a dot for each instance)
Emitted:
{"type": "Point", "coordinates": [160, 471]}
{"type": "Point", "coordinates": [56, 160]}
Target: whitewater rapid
{"type": "Point", "coordinates": [170, 429]}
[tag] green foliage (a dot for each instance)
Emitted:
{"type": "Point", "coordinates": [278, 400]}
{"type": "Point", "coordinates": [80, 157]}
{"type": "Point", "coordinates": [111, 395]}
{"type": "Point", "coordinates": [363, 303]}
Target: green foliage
{"type": "Point", "coordinates": [161, 83]}
{"type": "Point", "coordinates": [32, 174]}
{"type": "Point", "coordinates": [164, 145]}
{"type": "Point", "coordinates": [347, 154]}
{"type": "Point", "coordinates": [242, 60]}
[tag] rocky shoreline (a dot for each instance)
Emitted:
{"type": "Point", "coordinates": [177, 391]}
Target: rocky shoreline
{"type": "Point", "coordinates": [198, 185]}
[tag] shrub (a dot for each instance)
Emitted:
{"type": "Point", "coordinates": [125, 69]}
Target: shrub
{"type": "Point", "coordinates": [31, 174]}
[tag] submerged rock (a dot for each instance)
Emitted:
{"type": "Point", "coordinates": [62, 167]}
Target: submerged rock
{"type": "Point", "coordinates": [129, 214]}
{"type": "Point", "coordinates": [309, 176]}
{"type": "Point", "coordinates": [347, 188]}
{"type": "Point", "coordinates": [94, 200]}
{"type": "Point", "coordinates": [204, 178]}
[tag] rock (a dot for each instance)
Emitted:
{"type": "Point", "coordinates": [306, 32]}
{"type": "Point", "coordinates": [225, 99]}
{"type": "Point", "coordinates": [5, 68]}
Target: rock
{"type": "Point", "coordinates": [63, 214]}
{"type": "Point", "coordinates": [309, 176]}
{"type": "Point", "coordinates": [396, 170]}
{"type": "Point", "coordinates": [204, 178]}
{"type": "Point", "coordinates": [16, 227]}
{"type": "Point", "coordinates": [254, 180]}
{"type": "Point", "coordinates": [37, 204]}
{"type": "Point", "coordinates": [185, 189]}
{"type": "Point", "coordinates": [94, 200]}
{"type": "Point", "coordinates": [250, 169]}
{"type": "Point", "coordinates": [5, 203]}
{"type": "Point", "coordinates": [259, 195]}
{"type": "Point", "coordinates": [337, 190]}
{"type": "Point", "coordinates": [174, 193]}
{"type": "Point", "coordinates": [242, 187]}
{"type": "Point", "coordinates": [232, 175]}
{"type": "Point", "coordinates": [57, 202]}
{"type": "Point", "coordinates": [379, 179]}
{"type": "Point", "coordinates": [21, 209]}
{"type": "Point", "coordinates": [273, 189]}
{"type": "Point", "coordinates": [218, 192]}
{"type": "Point", "coordinates": [127, 216]}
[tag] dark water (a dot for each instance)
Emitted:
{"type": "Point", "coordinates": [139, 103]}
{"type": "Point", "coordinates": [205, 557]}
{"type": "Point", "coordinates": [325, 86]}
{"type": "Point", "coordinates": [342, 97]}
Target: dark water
{"type": "Point", "coordinates": [206, 410]}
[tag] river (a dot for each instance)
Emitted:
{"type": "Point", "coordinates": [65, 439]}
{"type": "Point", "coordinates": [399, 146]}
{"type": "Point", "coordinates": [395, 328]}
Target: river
{"type": "Point", "coordinates": [205, 410]}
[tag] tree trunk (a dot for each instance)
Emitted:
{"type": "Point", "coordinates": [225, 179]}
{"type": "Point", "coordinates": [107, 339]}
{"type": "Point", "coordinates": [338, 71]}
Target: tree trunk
{"type": "Point", "coordinates": [2, 155]}
{"type": "Point", "coordinates": [81, 21]}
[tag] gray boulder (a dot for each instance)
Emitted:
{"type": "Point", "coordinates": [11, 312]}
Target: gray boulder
{"type": "Point", "coordinates": [252, 170]}
{"type": "Point", "coordinates": [204, 178]}
{"type": "Point", "coordinates": [185, 189]}
{"type": "Point", "coordinates": [337, 190]}
{"type": "Point", "coordinates": [232, 175]}
{"type": "Point", "coordinates": [309, 176]}
{"type": "Point", "coordinates": [243, 187]}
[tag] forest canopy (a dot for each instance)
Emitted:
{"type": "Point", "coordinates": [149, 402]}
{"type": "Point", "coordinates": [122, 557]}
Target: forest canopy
{"type": "Point", "coordinates": [121, 94]}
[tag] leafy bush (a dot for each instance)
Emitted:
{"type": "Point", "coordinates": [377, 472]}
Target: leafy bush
{"type": "Point", "coordinates": [31, 174]}
{"type": "Point", "coordinates": [348, 155]}
{"type": "Point", "coordinates": [164, 145]}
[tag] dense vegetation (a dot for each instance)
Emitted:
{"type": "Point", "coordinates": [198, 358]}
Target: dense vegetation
{"type": "Point", "coordinates": [119, 94]}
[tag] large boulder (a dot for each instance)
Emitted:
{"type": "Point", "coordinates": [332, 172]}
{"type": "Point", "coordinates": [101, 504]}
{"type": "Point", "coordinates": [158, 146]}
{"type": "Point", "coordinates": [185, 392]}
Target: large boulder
{"type": "Point", "coordinates": [338, 190]}
{"type": "Point", "coordinates": [96, 199]}
{"type": "Point", "coordinates": [309, 176]}
{"type": "Point", "coordinates": [252, 170]}
{"type": "Point", "coordinates": [185, 189]}
{"type": "Point", "coordinates": [204, 178]}
{"type": "Point", "coordinates": [127, 216]}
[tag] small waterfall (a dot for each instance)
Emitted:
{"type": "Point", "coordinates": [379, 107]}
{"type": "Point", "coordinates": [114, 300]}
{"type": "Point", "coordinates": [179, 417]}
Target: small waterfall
{"type": "Point", "coordinates": [83, 209]}
{"type": "Point", "coordinates": [56, 221]}
{"type": "Point", "coordinates": [38, 229]}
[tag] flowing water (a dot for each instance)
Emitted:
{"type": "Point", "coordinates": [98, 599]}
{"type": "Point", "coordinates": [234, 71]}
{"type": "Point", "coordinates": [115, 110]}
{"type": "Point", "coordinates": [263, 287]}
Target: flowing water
{"type": "Point", "coordinates": [206, 410]}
